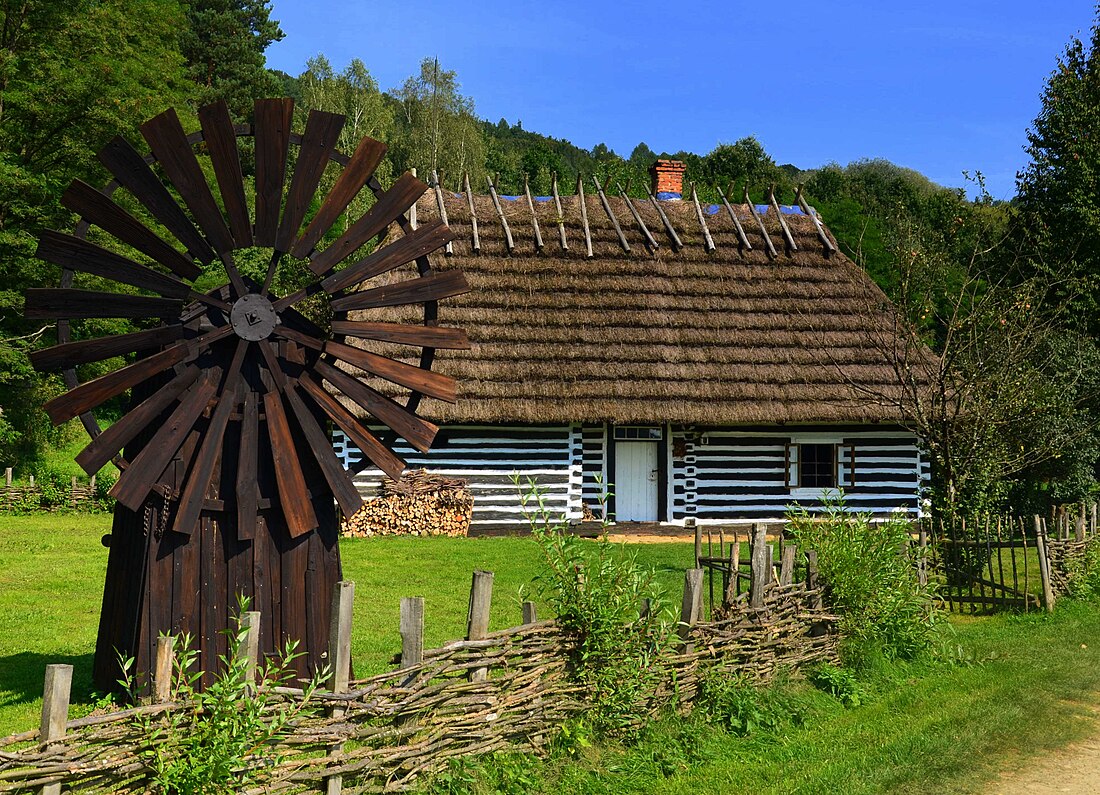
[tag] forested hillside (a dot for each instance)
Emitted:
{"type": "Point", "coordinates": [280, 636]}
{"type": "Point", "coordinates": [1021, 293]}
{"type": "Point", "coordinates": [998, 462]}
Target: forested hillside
{"type": "Point", "coordinates": [1006, 293]}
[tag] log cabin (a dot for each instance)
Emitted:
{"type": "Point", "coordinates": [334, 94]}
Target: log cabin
{"type": "Point", "coordinates": [696, 362]}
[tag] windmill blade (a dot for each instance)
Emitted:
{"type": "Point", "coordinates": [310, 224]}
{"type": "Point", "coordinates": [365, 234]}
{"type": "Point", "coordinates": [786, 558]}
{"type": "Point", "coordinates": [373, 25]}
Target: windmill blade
{"type": "Point", "coordinates": [80, 255]}
{"type": "Point", "coordinates": [202, 468]}
{"type": "Point", "coordinates": [411, 291]}
{"type": "Point", "coordinates": [97, 208]}
{"type": "Point", "coordinates": [273, 121]}
{"type": "Point", "coordinates": [355, 175]}
{"type": "Point", "coordinates": [166, 138]}
{"type": "Point", "coordinates": [71, 354]}
{"type": "Point", "coordinates": [422, 336]}
{"type": "Point", "coordinates": [390, 205]}
{"type": "Point", "coordinates": [347, 496]}
{"type": "Point", "coordinates": [322, 133]}
{"type": "Point", "coordinates": [137, 480]}
{"type": "Point", "coordinates": [108, 444]}
{"type": "Point", "coordinates": [90, 394]}
{"type": "Point", "coordinates": [380, 455]}
{"type": "Point", "coordinates": [293, 493]}
{"type": "Point", "coordinates": [248, 456]}
{"type": "Point", "coordinates": [418, 243]}
{"type": "Point", "coordinates": [300, 337]}
{"type": "Point", "coordinates": [225, 157]}
{"type": "Point", "coordinates": [63, 302]}
{"type": "Point", "coordinates": [436, 385]}
{"type": "Point", "coordinates": [418, 431]}
{"type": "Point", "coordinates": [132, 172]}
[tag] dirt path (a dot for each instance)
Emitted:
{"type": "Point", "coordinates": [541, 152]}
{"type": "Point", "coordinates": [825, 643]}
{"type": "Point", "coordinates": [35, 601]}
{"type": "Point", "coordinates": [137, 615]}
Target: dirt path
{"type": "Point", "coordinates": [1073, 769]}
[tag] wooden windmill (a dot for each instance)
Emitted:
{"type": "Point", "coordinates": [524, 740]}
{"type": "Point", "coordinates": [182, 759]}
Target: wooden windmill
{"type": "Point", "coordinates": [228, 478]}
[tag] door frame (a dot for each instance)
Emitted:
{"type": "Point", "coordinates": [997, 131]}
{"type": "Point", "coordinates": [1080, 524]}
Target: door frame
{"type": "Point", "coordinates": [662, 467]}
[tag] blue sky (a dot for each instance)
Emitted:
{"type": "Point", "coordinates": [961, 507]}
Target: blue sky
{"type": "Point", "coordinates": [940, 87]}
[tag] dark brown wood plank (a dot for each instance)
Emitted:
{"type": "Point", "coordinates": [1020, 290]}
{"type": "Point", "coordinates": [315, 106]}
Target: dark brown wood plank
{"type": "Point", "coordinates": [293, 493]}
{"type": "Point", "coordinates": [137, 480]}
{"type": "Point", "coordinates": [436, 385]}
{"type": "Point", "coordinates": [131, 171]}
{"type": "Point", "coordinates": [421, 242]}
{"type": "Point", "coordinates": [380, 455]}
{"type": "Point", "coordinates": [113, 438]}
{"type": "Point", "coordinates": [90, 394]}
{"type": "Point", "coordinates": [322, 133]}
{"type": "Point", "coordinates": [61, 302]}
{"type": "Point", "coordinates": [70, 354]}
{"type": "Point", "coordinates": [390, 205]}
{"type": "Point", "coordinates": [166, 138]}
{"type": "Point", "coordinates": [248, 468]}
{"type": "Point", "coordinates": [225, 156]}
{"type": "Point", "coordinates": [273, 122]}
{"type": "Point", "coordinates": [294, 558]}
{"type": "Point", "coordinates": [421, 336]}
{"type": "Point", "coordinates": [418, 431]}
{"type": "Point", "coordinates": [299, 336]}
{"type": "Point", "coordinates": [426, 288]}
{"type": "Point", "coordinates": [198, 482]}
{"type": "Point", "coordinates": [97, 208]}
{"type": "Point", "coordinates": [80, 255]}
{"type": "Point", "coordinates": [347, 496]}
{"type": "Point", "coordinates": [355, 175]}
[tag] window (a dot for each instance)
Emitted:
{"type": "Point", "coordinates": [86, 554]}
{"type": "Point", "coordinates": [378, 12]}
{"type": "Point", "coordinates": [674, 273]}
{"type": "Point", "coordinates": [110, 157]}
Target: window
{"type": "Point", "coordinates": [820, 465]}
{"type": "Point", "coordinates": [636, 434]}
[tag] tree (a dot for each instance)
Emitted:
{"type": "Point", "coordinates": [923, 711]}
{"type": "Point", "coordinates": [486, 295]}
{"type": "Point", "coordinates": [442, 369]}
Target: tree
{"type": "Point", "coordinates": [1059, 190]}
{"type": "Point", "coordinates": [224, 43]}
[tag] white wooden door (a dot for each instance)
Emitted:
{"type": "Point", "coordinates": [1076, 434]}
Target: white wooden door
{"type": "Point", "coordinates": [636, 480]}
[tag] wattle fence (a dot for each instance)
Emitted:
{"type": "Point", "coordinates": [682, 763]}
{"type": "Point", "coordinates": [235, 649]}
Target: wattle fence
{"type": "Point", "coordinates": [490, 691]}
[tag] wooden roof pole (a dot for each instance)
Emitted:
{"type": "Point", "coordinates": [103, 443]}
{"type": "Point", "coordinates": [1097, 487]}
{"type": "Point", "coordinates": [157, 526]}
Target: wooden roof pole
{"type": "Point", "coordinates": [500, 213]}
{"type": "Point", "coordinates": [534, 220]}
{"type": "Point", "coordinates": [611, 215]}
{"type": "Point", "coordinates": [584, 217]}
{"type": "Point", "coordinates": [449, 248]}
{"type": "Point", "coordinates": [561, 215]}
{"type": "Point", "coordinates": [677, 244]}
{"type": "Point", "coordinates": [709, 241]}
{"type": "Point", "coordinates": [760, 223]}
{"type": "Point", "coordinates": [736, 222]}
{"type": "Point", "coordinates": [473, 213]}
{"type": "Point", "coordinates": [801, 202]}
{"type": "Point", "coordinates": [782, 221]}
{"type": "Point", "coordinates": [649, 239]}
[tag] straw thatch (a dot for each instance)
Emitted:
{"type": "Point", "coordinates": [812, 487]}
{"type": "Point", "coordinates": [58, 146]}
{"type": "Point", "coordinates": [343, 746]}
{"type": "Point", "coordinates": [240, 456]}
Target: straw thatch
{"type": "Point", "coordinates": [653, 335]}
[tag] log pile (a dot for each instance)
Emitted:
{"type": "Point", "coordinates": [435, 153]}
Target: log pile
{"type": "Point", "coordinates": [419, 504]}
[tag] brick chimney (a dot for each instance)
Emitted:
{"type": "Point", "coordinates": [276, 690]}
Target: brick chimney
{"type": "Point", "coordinates": [668, 179]}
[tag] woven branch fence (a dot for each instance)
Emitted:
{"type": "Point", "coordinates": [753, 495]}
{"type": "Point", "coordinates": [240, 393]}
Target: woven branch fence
{"type": "Point", "coordinates": [491, 691]}
{"type": "Point", "coordinates": [14, 494]}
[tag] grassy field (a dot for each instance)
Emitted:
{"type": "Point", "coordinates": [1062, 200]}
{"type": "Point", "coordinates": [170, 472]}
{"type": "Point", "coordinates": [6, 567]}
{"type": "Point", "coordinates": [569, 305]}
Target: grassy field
{"type": "Point", "coordinates": [1017, 685]}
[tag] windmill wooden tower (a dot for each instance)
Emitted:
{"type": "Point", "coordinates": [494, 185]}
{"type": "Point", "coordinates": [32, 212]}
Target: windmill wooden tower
{"type": "Point", "coordinates": [228, 481]}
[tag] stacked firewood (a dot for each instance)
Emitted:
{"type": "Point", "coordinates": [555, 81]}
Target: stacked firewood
{"type": "Point", "coordinates": [419, 504]}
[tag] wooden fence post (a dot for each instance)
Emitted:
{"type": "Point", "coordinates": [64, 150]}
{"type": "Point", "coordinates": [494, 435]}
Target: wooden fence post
{"type": "Point", "coordinates": [733, 584]}
{"type": "Point", "coordinates": [813, 580]}
{"type": "Point", "coordinates": [922, 561]}
{"type": "Point", "coordinates": [691, 608]}
{"type": "Point", "coordinates": [7, 477]}
{"type": "Point", "coordinates": [164, 665]}
{"type": "Point", "coordinates": [698, 544]}
{"type": "Point", "coordinates": [412, 630]}
{"type": "Point", "coordinates": [55, 711]}
{"type": "Point", "coordinates": [249, 650]}
{"type": "Point", "coordinates": [1044, 565]}
{"type": "Point", "coordinates": [761, 574]}
{"type": "Point", "coordinates": [477, 623]}
{"type": "Point", "coordinates": [339, 659]}
{"type": "Point", "coordinates": [786, 564]}
{"type": "Point", "coordinates": [530, 613]}
{"type": "Point", "coordinates": [1079, 529]}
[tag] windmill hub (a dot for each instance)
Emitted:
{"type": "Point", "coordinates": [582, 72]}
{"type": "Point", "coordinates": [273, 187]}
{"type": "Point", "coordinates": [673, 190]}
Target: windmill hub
{"type": "Point", "coordinates": [253, 317]}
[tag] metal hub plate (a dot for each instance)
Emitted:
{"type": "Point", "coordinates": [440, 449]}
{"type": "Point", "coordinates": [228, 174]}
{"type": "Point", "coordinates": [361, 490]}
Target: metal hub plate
{"type": "Point", "coordinates": [253, 317]}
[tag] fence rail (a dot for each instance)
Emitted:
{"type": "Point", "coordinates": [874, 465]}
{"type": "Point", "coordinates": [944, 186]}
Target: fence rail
{"type": "Point", "coordinates": [13, 494]}
{"type": "Point", "coordinates": [489, 691]}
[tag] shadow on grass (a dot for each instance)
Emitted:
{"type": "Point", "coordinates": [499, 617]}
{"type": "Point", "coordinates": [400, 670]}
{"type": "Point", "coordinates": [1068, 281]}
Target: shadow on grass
{"type": "Point", "coordinates": [21, 676]}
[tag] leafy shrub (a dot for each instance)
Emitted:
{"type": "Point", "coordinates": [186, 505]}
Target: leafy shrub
{"type": "Point", "coordinates": [224, 741]}
{"type": "Point", "coordinates": [870, 580]}
{"type": "Point", "coordinates": [838, 682]}
{"type": "Point", "coordinates": [742, 709]}
{"type": "Point", "coordinates": [596, 588]}
{"type": "Point", "coordinates": [1084, 572]}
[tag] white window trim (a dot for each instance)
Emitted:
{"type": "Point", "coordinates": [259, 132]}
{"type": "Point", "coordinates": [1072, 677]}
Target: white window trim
{"type": "Point", "coordinates": [844, 472]}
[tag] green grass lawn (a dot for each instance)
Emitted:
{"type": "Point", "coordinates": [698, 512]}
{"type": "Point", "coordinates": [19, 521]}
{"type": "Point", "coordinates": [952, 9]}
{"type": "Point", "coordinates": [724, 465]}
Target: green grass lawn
{"type": "Point", "coordinates": [1024, 684]}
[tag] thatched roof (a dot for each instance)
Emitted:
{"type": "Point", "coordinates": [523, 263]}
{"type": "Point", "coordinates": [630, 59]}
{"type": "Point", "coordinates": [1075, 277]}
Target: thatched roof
{"type": "Point", "coordinates": [689, 336]}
